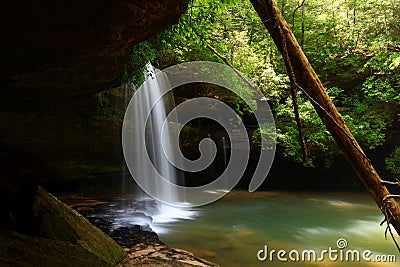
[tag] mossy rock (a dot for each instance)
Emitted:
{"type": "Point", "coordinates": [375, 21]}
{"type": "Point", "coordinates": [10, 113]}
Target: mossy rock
{"type": "Point", "coordinates": [61, 237]}
{"type": "Point", "coordinates": [22, 250]}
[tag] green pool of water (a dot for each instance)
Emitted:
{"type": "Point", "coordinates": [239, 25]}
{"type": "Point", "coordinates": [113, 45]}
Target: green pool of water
{"type": "Point", "coordinates": [231, 231]}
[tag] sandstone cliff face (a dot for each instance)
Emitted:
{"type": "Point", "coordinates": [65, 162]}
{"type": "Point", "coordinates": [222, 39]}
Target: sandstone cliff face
{"type": "Point", "coordinates": [55, 56]}
{"type": "Point", "coordinates": [68, 48]}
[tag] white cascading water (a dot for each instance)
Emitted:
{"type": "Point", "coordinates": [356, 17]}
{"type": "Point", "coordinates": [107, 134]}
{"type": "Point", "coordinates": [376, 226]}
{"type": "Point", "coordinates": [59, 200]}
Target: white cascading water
{"type": "Point", "coordinates": [146, 210]}
{"type": "Point", "coordinates": [154, 124]}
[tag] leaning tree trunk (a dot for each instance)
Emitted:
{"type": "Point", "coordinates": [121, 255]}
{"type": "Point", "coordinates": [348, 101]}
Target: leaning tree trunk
{"type": "Point", "coordinates": [307, 81]}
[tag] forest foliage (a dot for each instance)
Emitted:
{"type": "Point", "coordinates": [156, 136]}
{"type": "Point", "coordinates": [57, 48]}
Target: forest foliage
{"type": "Point", "coordinates": [354, 46]}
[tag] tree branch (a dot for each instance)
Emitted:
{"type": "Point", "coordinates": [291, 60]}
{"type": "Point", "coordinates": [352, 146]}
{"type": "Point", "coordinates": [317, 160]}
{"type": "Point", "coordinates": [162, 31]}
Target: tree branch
{"type": "Point", "coordinates": [294, 13]}
{"type": "Point", "coordinates": [293, 91]}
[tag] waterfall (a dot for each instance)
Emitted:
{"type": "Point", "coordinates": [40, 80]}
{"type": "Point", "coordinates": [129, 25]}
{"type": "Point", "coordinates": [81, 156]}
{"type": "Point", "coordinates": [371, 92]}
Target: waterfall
{"type": "Point", "coordinates": [155, 121]}
{"type": "Point", "coordinates": [152, 112]}
{"type": "Point", "coordinates": [224, 150]}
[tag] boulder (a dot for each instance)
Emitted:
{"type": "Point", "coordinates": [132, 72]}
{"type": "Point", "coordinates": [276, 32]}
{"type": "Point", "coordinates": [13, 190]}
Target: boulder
{"type": "Point", "coordinates": [53, 234]}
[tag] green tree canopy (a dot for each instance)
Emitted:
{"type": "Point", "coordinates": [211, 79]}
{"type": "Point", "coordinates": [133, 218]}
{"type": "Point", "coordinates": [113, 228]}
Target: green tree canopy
{"type": "Point", "coordinates": [353, 45]}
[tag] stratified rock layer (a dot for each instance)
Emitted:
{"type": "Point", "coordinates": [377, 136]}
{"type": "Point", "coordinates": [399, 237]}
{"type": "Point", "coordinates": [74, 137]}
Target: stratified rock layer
{"type": "Point", "coordinates": [67, 48]}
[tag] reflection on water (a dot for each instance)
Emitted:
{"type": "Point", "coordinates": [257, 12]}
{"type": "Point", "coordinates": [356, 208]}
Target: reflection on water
{"type": "Point", "coordinates": [231, 231]}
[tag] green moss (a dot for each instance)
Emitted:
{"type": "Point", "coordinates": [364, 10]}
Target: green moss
{"type": "Point", "coordinates": [21, 250]}
{"type": "Point", "coordinates": [61, 223]}
{"type": "Point", "coordinates": [78, 170]}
